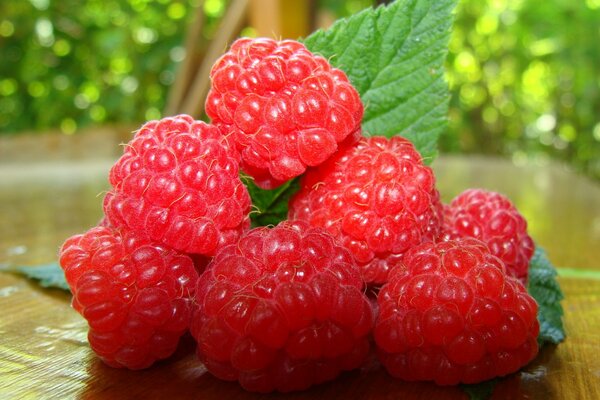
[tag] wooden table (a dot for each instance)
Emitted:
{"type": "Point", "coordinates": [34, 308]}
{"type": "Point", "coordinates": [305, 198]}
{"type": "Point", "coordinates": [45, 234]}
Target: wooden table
{"type": "Point", "coordinates": [43, 346]}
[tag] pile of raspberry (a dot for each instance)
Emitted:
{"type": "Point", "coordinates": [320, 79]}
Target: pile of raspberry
{"type": "Point", "coordinates": [369, 262]}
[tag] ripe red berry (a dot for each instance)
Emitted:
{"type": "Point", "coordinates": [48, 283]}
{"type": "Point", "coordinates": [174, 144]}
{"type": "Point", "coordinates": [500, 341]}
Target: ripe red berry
{"type": "Point", "coordinates": [282, 309]}
{"type": "Point", "coordinates": [377, 199]}
{"type": "Point", "coordinates": [450, 314]}
{"type": "Point", "coordinates": [135, 294]}
{"type": "Point", "coordinates": [177, 183]}
{"type": "Point", "coordinates": [493, 219]}
{"type": "Point", "coordinates": [284, 107]}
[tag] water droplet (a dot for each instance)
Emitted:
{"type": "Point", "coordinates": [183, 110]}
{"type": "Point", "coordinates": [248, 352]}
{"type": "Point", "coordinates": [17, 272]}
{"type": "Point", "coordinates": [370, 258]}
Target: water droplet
{"type": "Point", "coordinates": [16, 250]}
{"type": "Point", "coordinates": [7, 291]}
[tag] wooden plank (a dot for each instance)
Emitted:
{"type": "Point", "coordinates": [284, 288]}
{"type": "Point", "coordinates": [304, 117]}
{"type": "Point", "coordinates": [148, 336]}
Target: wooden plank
{"type": "Point", "coordinates": [44, 351]}
{"type": "Point", "coordinates": [561, 207]}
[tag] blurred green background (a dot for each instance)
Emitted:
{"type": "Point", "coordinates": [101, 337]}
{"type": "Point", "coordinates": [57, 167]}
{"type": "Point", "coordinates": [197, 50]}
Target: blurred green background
{"type": "Point", "coordinates": [524, 74]}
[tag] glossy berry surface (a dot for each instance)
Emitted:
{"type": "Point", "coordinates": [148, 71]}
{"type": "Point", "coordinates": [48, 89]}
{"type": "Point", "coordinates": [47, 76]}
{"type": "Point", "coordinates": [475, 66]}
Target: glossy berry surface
{"type": "Point", "coordinates": [451, 314]}
{"type": "Point", "coordinates": [377, 198]}
{"type": "Point", "coordinates": [284, 107]}
{"type": "Point", "coordinates": [281, 310]}
{"type": "Point", "coordinates": [135, 295]}
{"type": "Point", "coordinates": [493, 219]}
{"type": "Point", "coordinates": [177, 183]}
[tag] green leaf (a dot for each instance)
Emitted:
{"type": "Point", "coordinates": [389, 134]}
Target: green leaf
{"type": "Point", "coordinates": [49, 275]}
{"type": "Point", "coordinates": [480, 391]}
{"type": "Point", "coordinates": [544, 288]}
{"type": "Point", "coordinates": [394, 55]}
{"type": "Point", "coordinates": [271, 206]}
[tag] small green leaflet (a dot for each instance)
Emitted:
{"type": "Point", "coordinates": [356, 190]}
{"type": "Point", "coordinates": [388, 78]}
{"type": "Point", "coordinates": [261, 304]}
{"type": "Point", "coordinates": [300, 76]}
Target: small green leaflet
{"type": "Point", "coordinates": [480, 391]}
{"type": "Point", "coordinates": [48, 275]}
{"type": "Point", "coordinates": [544, 288]}
{"type": "Point", "coordinates": [270, 206]}
{"type": "Point", "coordinates": [394, 55]}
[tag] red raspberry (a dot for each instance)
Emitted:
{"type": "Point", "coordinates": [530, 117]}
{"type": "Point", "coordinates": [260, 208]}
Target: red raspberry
{"type": "Point", "coordinates": [451, 314]}
{"type": "Point", "coordinates": [135, 295]}
{"type": "Point", "coordinates": [178, 184]}
{"type": "Point", "coordinates": [493, 219]}
{"type": "Point", "coordinates": [377, 198]}
{"type": "Point", "coordinates": [281, 310]}
{"type": "Point", "coordinates": [284, 107]}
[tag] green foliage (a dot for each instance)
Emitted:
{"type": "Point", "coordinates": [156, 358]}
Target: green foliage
{"type": "Point", "coordinates": [523, 74]}
{"type": "Point", "coordinates": [68, 63]}
{"type": "Point", "coordinates": [345, 8]}
{"type": "Point", "coordinates": [525, 83]}
{"type": "Point", "coordinates": [394, 56]}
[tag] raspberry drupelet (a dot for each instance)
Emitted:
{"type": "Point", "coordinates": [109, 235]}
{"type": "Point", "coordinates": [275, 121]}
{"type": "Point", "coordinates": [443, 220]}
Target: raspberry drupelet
{"type": "Point", "coordinates": [178, 183]}
{"type": "Point", "coordinates": [451, 314]}
{"type": "Point", "coordinates": [283, 107]}
{"type": "Point", "coordinates": [493, 219]}
{"type": "Point", "coordinates": [282, 310]}
{"type": "Point", "coordinates": [135, 295]}
{"type": "Point", "coordinates": [376, 198]}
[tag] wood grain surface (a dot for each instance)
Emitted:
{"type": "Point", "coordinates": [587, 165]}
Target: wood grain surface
{"type": "Point", "coordinates": [43, 347]}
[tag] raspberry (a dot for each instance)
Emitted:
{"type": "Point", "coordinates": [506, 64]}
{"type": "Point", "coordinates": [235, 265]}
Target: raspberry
{"type": "Point", "coordinates": [135, 295]}
{"type": "Point", "coordinates": [451, 314]}
{"type": "Point", "coordinates": [178, 183]}
{"type": "Point", "coordinates": [281, 310]}
{"type": "Point", "coordinates": [377, 198]}
{"type": "Point", "coordinates": [493, 219]}
{"type": "Point", "coordinates": [284, 107]}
